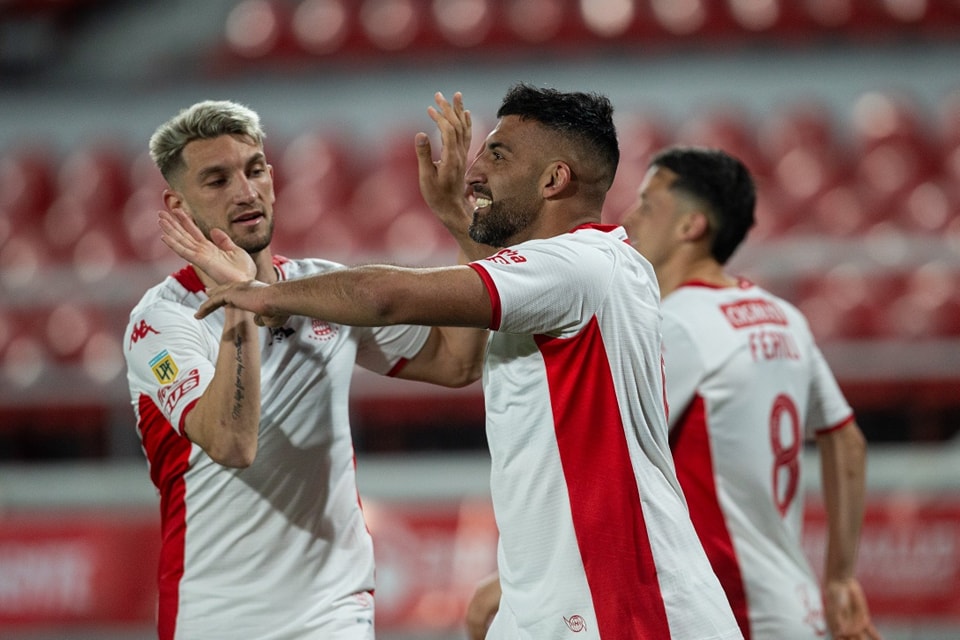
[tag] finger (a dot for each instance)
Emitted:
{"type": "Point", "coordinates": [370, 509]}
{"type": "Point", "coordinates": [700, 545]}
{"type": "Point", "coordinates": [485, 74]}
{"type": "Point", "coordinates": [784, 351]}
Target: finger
{"type": "Point", "coordinates": [187, 224]}
{"type": "Point", "coordinates": [223, 242]}
{"type": "Point", "coordinates": [424, 151]}
{"type": "Point", "coordinates": [208, 306]}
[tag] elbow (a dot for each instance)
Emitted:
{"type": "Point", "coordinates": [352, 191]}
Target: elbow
{"type": "Point", "coordinates": [468, 375]}
{"type": "Point", "coordinates": [234, 455]}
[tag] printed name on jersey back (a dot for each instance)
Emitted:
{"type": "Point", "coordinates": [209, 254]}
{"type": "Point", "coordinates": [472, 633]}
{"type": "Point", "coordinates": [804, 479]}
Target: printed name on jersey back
{"type": "Point", "coordinates": [749, 313]}
{"type": "Point", "coordinates": [506, 256]}
{"type": "Point", "coordinates": [771, 344]}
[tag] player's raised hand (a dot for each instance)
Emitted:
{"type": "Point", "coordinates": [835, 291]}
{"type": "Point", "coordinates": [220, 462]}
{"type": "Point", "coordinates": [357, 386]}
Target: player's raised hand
{"type": "Point", "coordinates": [218, 257]}
{"type": "Point", "coordinates": [442, 181]}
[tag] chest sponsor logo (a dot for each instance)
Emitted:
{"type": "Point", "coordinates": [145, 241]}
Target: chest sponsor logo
{"type": "Point", "coordinates": [507, 256]}
{"type": "Point", "coordinates": [323, 331]}
{"type": "Point", "coordinates": [170, 396]}
{"type": "Point", "coordinates": [139, 332]}
{"type": "Point", "coordinates": [749, 313]}
{"type": "Point", "coordinates": [164, 368]}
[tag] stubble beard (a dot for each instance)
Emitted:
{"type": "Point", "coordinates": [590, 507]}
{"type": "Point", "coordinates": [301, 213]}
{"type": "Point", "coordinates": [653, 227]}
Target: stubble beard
{"type": "Point", "coordinates": [502, 222]}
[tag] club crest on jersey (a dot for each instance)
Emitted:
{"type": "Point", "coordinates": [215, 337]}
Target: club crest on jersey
{"type": "Point", "coordinates": [140, 332]}
{"type": "Point", "coordinates": [164, 368]}
{"type": "Point", "coordinates": [507, 256]}
{"type": "Point", "coordinates": [323, 331]}
{"type": "Point", "coordinates": [575, 623]}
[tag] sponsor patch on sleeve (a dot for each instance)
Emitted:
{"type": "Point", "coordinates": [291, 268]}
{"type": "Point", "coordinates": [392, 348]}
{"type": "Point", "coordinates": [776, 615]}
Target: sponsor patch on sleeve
{"type": "Point", "coordinates": [164, 368]}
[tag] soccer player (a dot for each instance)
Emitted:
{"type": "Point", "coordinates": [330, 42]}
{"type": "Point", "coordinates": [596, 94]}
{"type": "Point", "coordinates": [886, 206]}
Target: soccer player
{"type": "Point", "coordinates": [595, 538]}
{"type": "Point", "coordinates": [245, 428]}
{"type": "Point", "coordinates": [746, 386]}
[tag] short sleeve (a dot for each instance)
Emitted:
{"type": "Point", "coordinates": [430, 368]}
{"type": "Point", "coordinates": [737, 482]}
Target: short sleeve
{"type": "Point", "coordinates": [683, 366]}
{"type": "Point", "coordinates": [547, 286]}
{"type": "Point", "coordinates": [828, 407]}
{"type": "Point", "coordinates": [170, 358]}
{"type": "Point", "coordinates": [381, 348]}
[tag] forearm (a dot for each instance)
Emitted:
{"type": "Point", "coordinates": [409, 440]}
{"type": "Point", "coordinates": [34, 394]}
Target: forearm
{"type": "Point", "coordinates": [843, 468]}
{"type": "Point", "coordinates": [381, 295]}
{"type": "Point", "coordinates": [225, 421]}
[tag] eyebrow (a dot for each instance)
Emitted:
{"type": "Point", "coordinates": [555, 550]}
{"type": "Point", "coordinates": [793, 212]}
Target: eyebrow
{"type": "Point", "coordinates": [206, 172]}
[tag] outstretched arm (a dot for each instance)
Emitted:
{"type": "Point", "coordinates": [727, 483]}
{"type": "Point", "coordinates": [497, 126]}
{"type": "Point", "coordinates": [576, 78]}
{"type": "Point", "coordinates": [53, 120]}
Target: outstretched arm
{"type": "Point", "coordinates": [375, 295]}
{"type": "Point", "coordinates": [843, 468]}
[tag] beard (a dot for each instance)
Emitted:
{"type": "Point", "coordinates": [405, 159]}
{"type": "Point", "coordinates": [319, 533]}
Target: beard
{"type": "Point", "coordinates": [503, 221]}
{"type": "Point", "coordinates": [256, 243]}
{"type": "Point", "coordinates": [252, 244]}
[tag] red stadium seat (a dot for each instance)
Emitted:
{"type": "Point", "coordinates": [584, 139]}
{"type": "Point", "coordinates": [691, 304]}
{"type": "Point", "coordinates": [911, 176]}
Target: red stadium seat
{"type": "Point", "coordinates": [140, 226]}
{"type": "Point", "coordinates": [729, 128]}
{"type": "Point", "coordinates": [893, 141]}
{"type": "Point", "coordinates": [929, 306]}
{"type": "Point", "coordinates": [97, 177]}
{"type": "Point", "coordinates": [27, 184]}
{"type": "Point", "coordinates": [929, 207]}
{"type": "Point", "coordinates": [847, 302]}
{"type": "Point", "coordinates": [258, 29]}
{"type": "Point", "coordinates": [322, 27]}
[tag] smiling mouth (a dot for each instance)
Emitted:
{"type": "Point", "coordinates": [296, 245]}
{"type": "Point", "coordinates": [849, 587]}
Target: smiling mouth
{"type": "Point", "coordinates": [481, 202]}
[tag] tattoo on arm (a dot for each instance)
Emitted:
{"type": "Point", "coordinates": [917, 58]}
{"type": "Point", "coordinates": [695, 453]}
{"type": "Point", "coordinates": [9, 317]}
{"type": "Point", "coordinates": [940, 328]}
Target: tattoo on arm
{"type": "Point", "coordinates": [238, 393]}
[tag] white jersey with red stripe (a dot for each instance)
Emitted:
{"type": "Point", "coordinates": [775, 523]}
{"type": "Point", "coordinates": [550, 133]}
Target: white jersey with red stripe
{"type": "Point", "coordinates": [595, 538]}
{"type": "Point", "coordinates": [746, 387]}
{"type": "Point", "coordinates": [280, 549]}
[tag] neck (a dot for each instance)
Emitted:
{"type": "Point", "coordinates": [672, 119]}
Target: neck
{"type": "Point", "coordinates": [673, 275]}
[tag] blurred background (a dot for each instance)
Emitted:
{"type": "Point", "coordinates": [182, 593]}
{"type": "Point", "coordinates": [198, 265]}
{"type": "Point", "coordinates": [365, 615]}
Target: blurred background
{"type": "Point", "coordinates": [846, 111]}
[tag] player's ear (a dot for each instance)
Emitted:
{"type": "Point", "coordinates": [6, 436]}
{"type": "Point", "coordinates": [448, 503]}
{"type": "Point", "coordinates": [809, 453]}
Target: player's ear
{"type": "Point", "coordinates": [556, 178]}
{"type": "Point", "coordinates": [172, 199]}
{"type": "Point", "coordinates": [695, 225]}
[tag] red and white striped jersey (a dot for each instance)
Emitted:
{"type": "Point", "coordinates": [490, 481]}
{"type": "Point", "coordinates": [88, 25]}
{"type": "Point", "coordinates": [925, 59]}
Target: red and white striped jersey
{"type": "Point", "coordinates": [272, 550]}
{"type": "Point", "coordinates": [747, 386]}
{"type": "Point", "coordinates": [595, 537]}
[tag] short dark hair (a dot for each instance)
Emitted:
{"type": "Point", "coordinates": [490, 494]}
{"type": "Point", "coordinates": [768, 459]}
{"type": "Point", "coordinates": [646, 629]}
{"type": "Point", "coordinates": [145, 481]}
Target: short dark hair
{"type": "Point", "coordinates": [722, 183]}
{"type": "Point", "coordinates": [586, 117]}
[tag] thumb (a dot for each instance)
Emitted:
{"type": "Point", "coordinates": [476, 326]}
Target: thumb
{"type": "Point", "coordinates": [424, 152]}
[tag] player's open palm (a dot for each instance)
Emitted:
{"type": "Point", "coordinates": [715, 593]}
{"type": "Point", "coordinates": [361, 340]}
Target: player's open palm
{"type": "Point", "coordinates": [848, 616]}
{"type": "Point", "coordinates": [441, 181]}
{"type": "Point", "coordinates": [218, 257]}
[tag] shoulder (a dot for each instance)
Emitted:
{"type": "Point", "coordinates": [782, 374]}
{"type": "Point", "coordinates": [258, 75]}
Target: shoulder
{"type": "Point", "coordinates": [291, 269]}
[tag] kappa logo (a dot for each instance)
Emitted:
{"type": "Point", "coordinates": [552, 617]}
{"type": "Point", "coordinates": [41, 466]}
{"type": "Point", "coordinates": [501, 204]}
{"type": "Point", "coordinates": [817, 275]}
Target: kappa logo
{"type": "Point", "coordinates": [323, 331]}
{"type": "Point", "coordinates": [140, 332]}
{"type": "Point", "coordinates": [575, 623]}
